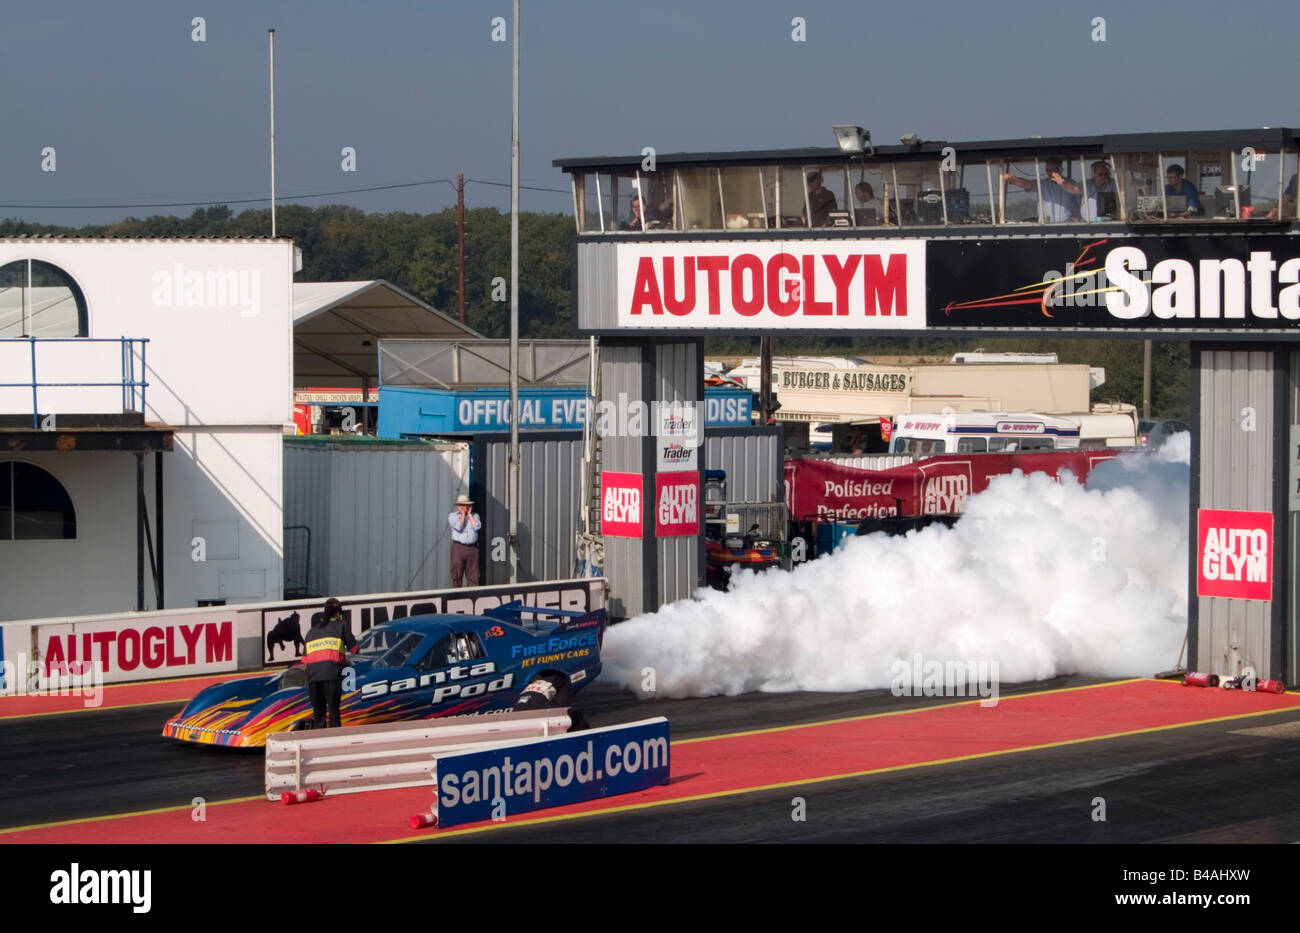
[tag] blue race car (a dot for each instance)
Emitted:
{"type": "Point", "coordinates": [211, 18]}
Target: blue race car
{"type": "Point", "coordinates": [415, 668]}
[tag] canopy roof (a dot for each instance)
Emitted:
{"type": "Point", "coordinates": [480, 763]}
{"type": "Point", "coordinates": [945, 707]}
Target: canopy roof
{"type": "Point", "coordinates": [337, 327]}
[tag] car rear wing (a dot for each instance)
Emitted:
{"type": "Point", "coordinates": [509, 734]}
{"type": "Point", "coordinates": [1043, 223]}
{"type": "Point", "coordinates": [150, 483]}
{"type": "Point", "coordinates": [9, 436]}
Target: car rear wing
{"type": "Point", "coordinates": [570, 620]}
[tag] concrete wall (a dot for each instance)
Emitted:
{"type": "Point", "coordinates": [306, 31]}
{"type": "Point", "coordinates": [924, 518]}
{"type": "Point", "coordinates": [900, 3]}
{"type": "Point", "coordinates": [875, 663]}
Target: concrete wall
{"type": "Point", "coordinates": [217, 315]}
{"type": "Point", "coordinates": [220, 486]}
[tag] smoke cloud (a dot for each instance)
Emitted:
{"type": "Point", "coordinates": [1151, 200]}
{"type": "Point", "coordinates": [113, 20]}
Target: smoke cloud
{"type": "Point", "coordinates": [1044, 578]}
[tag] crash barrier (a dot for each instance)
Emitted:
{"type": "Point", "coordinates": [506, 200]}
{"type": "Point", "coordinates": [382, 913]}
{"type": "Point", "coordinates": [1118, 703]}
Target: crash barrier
{"type": "Point", "coordinates": [137, 646]}
{"type": "Point", "coordinates": [380, 757]}
{"type": "Point", "coordinates": [534, 774]}
{"type": "Point", "coordinates": [862, 461]}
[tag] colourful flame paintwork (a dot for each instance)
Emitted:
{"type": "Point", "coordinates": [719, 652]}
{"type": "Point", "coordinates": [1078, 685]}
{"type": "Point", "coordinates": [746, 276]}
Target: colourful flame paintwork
{"type": "Point", "coordinates": [241, 713]}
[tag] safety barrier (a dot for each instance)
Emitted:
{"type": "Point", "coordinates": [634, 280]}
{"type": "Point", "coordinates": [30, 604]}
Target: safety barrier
{"type": "Point", "coordinates": [138, 646]}
{"type": "Point", "coordinates": [388, 755]}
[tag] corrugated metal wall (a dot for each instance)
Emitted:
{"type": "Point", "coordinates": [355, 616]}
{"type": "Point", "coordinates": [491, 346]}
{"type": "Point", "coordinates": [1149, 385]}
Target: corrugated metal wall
{"type": "Point", "coordinates": [1292, 569]}
{"type": "Point", "coordinates": [620, 372]}
{"type": "Point", "coordinates": [678, 378]}
{"type": "Point", "coordinates": [870, 461]}
{"type": "Point", "coordinates": [307, 502]}
{"type": "Point", "coordinates": [595, 304]}
{"type": "Point", "coordinates": [550, 484]}
{"type": "Point", "coordinates": [1235, 436]}
{"type": "Point", "coordinates": [752, 459]}
{"type": "Point", "coordinates": [377, 513]}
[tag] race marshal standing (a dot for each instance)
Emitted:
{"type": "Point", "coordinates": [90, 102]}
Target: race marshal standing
{"type": "Point", "coordinates": [465, 526]}
{"type": "Point", "coordinates": [325, 661]}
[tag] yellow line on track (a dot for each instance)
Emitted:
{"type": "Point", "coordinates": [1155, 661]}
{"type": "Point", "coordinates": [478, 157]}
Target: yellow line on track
{"type": "Point", "coordinates": [444, 834]}
{"type": "Point", "coordinates": [901, 712]}
{"type": "Point", "coordinates": [123, 816]}
{"type": "Point", "coordinates": [536, 821]}
{"type": "Point", "coordinates": [139, 683]}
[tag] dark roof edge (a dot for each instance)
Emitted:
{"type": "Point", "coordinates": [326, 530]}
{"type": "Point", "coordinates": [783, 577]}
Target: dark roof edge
{"type": "Point", "coordinates": [1274, 137]}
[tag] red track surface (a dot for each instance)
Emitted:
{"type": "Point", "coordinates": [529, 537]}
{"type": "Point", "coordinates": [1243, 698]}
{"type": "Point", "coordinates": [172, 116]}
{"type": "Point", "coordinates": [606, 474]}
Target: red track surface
{"type": "Point", "coordinates": [721, 765]}
{"type": "Point", "coordinates": [112, 696]}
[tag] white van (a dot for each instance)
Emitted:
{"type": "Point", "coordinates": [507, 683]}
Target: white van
{"type": "Point", "coordinates": [1109, 425]}
{"type": "Point", "coordinates": [981, 432]}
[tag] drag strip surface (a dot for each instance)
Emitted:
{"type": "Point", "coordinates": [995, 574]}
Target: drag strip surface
{"type": "Point", "coordinates": [719, 777]}
{"type": "Point", "coordinates": [96, 762]}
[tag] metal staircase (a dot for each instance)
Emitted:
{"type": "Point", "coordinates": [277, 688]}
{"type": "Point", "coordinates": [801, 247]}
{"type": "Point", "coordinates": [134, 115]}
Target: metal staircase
{"type": "Point", "coordinates": [590, 549]}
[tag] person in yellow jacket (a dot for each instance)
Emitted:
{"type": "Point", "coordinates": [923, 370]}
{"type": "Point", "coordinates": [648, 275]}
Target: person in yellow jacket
{"type": "Point", "coordinates": [325, 660]}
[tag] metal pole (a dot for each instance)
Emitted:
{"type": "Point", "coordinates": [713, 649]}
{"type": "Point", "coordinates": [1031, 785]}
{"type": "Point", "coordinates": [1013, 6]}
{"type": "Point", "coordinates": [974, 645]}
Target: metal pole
{"type": "Point", "coordinates": [460, 239]}
{"type": "Point", "coordinates": [589, 438]}
{"type": "Point", "coordinates": [513, 479]}
{"type": "Point", "coordinates": [158, 518]}
{"type": "Point", "coordinates": [139, 532]}
{"type": "Point", "coordinates": [765, 379]}
{"type": "Point", "coordinates": [271, 37]}
{"type": "Point", "coordinates": [1146, 378]}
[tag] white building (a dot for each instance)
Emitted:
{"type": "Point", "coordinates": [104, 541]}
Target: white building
{"type": "Point", "coordinates": [749, 371]}
{"type": "Point", "coordinates": [114, 349]}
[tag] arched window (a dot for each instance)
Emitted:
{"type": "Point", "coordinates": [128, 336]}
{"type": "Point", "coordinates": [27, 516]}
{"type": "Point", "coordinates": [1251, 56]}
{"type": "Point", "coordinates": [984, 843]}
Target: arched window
{"type": "Point", "coordinates": [40, 300]}
{"type": "Point", "coordinates": [34, 505]}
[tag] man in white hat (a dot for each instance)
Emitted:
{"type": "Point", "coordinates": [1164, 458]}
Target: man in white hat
{"type": "Point", "coordinates": [465, 526]}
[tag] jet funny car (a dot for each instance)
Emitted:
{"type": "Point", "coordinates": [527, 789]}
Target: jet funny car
{"type": "Point", "coordinates": [415, 668]}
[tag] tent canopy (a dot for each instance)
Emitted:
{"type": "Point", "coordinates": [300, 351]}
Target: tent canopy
{"type": "Point", "coordinates": [337, 327]}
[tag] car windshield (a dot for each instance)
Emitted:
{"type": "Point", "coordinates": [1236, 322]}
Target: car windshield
{"type": "Point", "coordinates": [389, 647]}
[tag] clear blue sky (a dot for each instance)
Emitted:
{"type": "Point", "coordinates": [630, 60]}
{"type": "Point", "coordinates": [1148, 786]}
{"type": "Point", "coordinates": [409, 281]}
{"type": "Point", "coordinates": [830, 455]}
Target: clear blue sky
{"type": "Point", "coordinates": [138, 113]}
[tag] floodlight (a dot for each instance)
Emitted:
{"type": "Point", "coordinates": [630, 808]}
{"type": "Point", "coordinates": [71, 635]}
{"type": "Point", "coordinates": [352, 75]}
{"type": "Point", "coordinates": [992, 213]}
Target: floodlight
{"type": "Point", "coordinates": [853, 139]}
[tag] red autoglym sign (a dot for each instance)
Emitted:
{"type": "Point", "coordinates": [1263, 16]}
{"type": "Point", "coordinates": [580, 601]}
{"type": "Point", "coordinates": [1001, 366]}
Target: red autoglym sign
{"type": "Point", "coordinates": [156, 645]}
{"type": "Point", "coordinates": [945, 486]}
{"type": "Point", "coordinates": [677, 504]}
{"type": "Point", "coordinates": [1234, 554]}
{"type": "Point", "coordinates": [620, 504]}
{"type": "Point", "coordinates": [773, 284]}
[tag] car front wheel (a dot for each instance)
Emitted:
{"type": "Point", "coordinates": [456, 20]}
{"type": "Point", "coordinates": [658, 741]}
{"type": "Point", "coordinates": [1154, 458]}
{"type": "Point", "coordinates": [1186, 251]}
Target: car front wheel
{"type": "Point", "coordinates": [545, 691]}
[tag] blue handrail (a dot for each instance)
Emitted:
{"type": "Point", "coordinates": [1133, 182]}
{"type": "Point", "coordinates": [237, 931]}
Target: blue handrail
{"type": "Point", "coordinates": [129, 383]}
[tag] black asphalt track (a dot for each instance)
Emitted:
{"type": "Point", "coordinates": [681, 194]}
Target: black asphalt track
{"type": "Point", "coordinates": [1226, 782]}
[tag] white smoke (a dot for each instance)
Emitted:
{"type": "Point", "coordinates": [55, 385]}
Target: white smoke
{"type": "Point", "coordinates": [1043, 578]}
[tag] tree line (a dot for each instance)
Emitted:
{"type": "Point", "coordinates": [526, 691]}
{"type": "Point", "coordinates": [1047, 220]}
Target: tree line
{"type": "Point", "coordinates": [417, 252]}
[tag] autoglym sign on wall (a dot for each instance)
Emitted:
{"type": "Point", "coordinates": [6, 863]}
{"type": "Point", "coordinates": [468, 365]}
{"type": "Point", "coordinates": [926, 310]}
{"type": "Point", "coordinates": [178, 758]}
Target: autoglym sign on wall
{"type": "Point", "coordinates": [158, 645]}
{"type": "Point", "coordinates": [620, 505]}
{"type": "Point", "coordinates": [1188, 278]}
{"type": "Point", "coordinates": [1234, 554]}
{"type": "Point", "coordinates": [677, 504]}
{"type": "Point", "coordinates": [773, 284]}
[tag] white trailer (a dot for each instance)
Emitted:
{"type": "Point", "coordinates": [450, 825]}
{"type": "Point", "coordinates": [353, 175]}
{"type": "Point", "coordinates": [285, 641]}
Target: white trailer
{"type": "Point", "coordinates": [930, 435]}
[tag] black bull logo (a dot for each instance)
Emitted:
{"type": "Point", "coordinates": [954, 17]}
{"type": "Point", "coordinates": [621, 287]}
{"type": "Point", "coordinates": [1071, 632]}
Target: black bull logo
{"type": "Point", "coordinates": [288, 629]}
